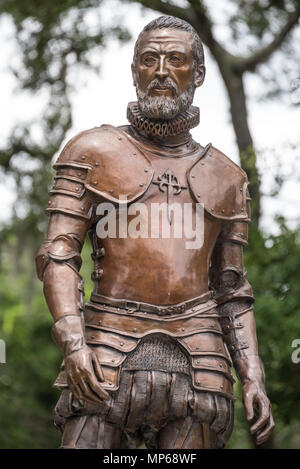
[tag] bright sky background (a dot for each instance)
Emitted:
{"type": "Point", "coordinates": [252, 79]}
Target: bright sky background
{"type": "Point", "coordinates": [103, 99]}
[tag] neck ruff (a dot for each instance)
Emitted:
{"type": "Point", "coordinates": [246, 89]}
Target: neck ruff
{"type": "Point", "coordinates": [162, 128]}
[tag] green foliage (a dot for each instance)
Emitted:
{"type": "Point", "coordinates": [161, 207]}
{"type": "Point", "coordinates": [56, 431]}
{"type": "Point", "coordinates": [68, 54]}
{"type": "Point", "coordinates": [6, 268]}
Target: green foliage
{"type": "Point", "coordinates": [273, 264]}
{"type": "Point", "coordinates": [27, 397]}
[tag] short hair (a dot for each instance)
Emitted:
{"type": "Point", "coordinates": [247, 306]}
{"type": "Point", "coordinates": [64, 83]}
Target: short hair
{"type": "Point", "coordinates": [171, 22]}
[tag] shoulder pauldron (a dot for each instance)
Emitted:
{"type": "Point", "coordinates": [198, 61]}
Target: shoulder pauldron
{"type": "Point", "coordinates": [108, 163]}
{"type": "Point", "coordinates": [220, 185]}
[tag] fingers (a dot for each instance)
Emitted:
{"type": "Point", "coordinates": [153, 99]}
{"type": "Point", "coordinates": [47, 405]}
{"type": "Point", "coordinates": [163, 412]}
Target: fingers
{"type": "Point", "coordinates": [97, 388]}
{"type": "Point", "coordinates": [264, 415]}
{"type": "Point", "coordinates": [88, 394]}
{"type": "Point", "coordinates": [75, 389]}
{"type": "Point", "coordinates": [265, 433]}
{"type": "Point", "coordinates": [86, 386]}
{"type": "Point", "coordinates": [84, 373]}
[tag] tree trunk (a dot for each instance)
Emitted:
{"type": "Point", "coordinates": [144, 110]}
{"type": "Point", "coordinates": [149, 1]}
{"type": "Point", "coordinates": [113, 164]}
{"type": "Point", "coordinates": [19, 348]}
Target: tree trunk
{"type": "Point", "coordinates": [236, 93]}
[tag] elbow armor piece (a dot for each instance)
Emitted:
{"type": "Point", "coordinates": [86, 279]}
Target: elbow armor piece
{"type": "Point", "coordinates": [63, 248]}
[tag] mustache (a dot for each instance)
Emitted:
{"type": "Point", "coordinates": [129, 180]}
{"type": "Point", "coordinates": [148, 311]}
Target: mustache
{"type": "Point", "coordinates": [167, 83]}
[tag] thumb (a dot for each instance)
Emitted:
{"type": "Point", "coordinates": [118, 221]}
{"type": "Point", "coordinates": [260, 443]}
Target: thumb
{"type": "Point", "coordinates": [97, 368]}
{"type": "Point", "coordinates": [248, 404]}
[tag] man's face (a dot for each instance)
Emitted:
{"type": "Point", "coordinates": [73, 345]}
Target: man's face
{"type": "Point", "coordinates": [164, 73]}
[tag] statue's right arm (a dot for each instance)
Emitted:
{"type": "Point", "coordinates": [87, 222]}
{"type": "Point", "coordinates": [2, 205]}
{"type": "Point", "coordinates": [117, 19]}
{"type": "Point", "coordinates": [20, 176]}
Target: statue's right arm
{"type": "Point", "coordinates": [58, 263]}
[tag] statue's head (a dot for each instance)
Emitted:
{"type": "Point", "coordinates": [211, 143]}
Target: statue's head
{"type": "Point", "coordinates": [168, 65]}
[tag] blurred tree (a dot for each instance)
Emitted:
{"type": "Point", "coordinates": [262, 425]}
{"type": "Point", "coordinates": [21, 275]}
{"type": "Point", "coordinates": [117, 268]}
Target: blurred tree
{"type": "Point", "coordinates": [53, 38]}
{"type": "Point", "coordinates": [256, 29]}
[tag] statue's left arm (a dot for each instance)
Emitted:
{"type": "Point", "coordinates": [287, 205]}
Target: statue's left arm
{"type": "Point", "coordinates": [233, 294]}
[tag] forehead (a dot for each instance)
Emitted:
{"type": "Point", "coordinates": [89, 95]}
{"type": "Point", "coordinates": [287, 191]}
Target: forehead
{"type": "Point", "coordinates": [166, 40]}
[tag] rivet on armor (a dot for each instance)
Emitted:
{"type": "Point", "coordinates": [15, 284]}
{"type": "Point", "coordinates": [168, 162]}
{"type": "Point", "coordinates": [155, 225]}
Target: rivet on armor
{"type": "Point", "coordinates": [135, 329]}
{"type": "Point", "coordinates": [198, 195]}
{"type": "Point", "coordinates": [146, 170]}
{"type": "Point", "coordinates": [111, 191]}
{"type": "Point", "coordinates": [233, 211]}
{"type": "Point", "coordinates": [113, 360]}
{"type": "Point", "coordinates": [183, 329]}
{"type": "Point", "coordinates": [121, 344]}
{"type": "Point", "coordinates": [92, 337]}
{"type": "Point", "coordinates": [220, 349]}
{"type": "Point", "coordinates": [223, 210]}
{"type": "Point", "coordinates": [141, 185]}
{"type": "Point", "coordinates": [134, 153]}
{"type": "Point", "coordinates": [241, 190]}
{"type": "Point", "coordinates": [49, 203]}
{"type": "Point", "coordinates": [119, 138]}
{"type": "Point", "coordinates": [96, 164]}
{"type": "Point", "coordinates": [99, 322]}
{"type": "Point", "coordinates": [79, 175]}
{"type": "Point", "coordinates": [77, 189]}
{"type": "Point", "coordinates": [198, 383]}
{"type": "Point", "coordinates": [95, 183]}
{"type": "Point", "coordinates": [83, 157]}
{"type": "Point", "coordinates": [193, 176]}
{"type": "Point", "coordinates": [221, 387]}
{"type": "Point", "coordinates": [220, 365]}
{"type": "Point", "coordinates": [82, 208]}
{"type": "Point", "coordinates": [212, 210]}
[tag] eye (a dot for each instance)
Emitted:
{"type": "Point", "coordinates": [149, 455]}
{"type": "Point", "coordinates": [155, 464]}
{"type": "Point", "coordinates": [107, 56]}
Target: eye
{"type": "Point", "coordinates": [175, 60]}
{"type": "Point", "coordinates": [149, 60]}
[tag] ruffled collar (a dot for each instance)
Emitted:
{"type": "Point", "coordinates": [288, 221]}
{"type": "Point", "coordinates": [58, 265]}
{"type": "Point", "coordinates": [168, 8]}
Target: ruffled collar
{"type": "Point", "coordinates": [162, 128]}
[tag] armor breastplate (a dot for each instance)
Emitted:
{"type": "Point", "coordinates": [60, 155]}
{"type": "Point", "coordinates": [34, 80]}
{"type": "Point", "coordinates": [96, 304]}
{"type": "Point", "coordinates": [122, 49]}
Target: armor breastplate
{"type": "Point", "coordinates": [115, 168]}
{"type": "Point", "coordinates": [158, 267]}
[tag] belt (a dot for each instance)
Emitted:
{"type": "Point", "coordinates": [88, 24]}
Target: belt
{"type": "Point", "coordinates": [134, 306]}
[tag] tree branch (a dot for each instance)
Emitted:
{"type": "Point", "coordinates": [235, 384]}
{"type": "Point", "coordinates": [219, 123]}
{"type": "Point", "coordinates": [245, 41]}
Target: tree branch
{"type": "Point", "coordinates": [166, 8]}
{"type": "Point", "coordinates": [196, 15]}
{"type": "Point", "coordinates": [203, 25]}
{"type": "Point", "coordinates": [250, 63]}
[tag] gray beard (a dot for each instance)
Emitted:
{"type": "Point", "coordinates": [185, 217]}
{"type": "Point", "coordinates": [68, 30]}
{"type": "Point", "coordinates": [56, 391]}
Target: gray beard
{"type": "Point", "coordinates": [164, 107]}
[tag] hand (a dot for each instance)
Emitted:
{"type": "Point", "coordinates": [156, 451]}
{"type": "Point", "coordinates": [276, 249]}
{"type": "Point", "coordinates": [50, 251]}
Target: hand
{"type": "Point", "coordinates": [84, 373]}
{"type": "Point", "coordinates": [257, 404]}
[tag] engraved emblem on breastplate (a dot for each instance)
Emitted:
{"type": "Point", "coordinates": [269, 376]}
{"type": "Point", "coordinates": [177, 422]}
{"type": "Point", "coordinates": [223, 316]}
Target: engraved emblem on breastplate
{"type": "Point", "coordinates": [168, 182]}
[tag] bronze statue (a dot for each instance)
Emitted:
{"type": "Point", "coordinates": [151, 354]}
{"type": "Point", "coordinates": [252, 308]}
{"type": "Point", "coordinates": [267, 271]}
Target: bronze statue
{"type": "Point", "coordinates": [149, 357]}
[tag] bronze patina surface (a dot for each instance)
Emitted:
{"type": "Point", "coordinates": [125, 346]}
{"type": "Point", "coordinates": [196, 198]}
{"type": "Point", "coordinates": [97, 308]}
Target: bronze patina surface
{"type": "Point", "coordinates": [149, 357]}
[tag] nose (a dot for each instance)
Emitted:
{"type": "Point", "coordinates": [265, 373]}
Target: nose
{"type": "Point", "coordinates": [162, 72]}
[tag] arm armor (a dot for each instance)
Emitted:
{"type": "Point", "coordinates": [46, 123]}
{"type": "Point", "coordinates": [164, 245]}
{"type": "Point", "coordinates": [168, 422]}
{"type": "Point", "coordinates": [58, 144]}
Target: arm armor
{"type": "Point", "coordinates": [68, 197]}
{"type": "Point", "coordinates": [62, 249]}
{"type": "Point", "coordinates": [232, 290]}
{"type": "Point", "coordinates": [58, 261]}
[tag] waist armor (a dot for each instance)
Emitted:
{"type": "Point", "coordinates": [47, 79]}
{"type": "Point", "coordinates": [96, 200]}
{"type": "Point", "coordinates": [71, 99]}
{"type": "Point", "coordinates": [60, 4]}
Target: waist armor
{"type": "Point", "coordinates": [115, 332]}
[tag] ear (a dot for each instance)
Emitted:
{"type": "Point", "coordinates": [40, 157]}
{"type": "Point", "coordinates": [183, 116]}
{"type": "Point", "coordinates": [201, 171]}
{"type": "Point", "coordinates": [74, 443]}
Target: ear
{"type": "Point", "coordinates": [133, 71]}
{"type": "Point", "coordinates": [199, 75]}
